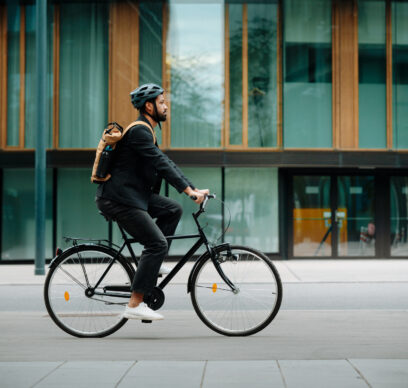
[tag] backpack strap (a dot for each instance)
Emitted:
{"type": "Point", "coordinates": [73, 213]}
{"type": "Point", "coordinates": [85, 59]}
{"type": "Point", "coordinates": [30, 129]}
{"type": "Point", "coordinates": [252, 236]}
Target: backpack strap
{"type": "Point", "coordinates": [140, 123]}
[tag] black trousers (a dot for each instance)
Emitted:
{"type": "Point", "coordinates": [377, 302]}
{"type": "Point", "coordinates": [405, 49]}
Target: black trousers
{"type": "Point", "coordinates": [141, 226]}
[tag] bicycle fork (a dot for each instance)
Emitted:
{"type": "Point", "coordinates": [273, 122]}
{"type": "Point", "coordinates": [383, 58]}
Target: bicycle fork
{"type": "Point", "coordinates": [215, 257]}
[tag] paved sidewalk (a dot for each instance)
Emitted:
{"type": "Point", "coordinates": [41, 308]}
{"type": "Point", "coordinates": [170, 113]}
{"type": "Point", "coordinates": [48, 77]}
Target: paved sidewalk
{"type": "Point", "coordinates": [333, 373]}
{"type": "Point", "coordinates": [353, 373]}
{"type": "Point", "coordinates": [291, 271]}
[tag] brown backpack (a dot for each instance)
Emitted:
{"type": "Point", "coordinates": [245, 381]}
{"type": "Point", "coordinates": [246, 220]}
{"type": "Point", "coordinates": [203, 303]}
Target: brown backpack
{"type": "Point", "coordinates": [104, 153]}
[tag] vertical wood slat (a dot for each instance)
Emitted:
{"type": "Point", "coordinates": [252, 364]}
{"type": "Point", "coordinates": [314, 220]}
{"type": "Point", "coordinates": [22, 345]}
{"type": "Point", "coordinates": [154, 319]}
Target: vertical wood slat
{"type": "Point", "coordinates": [345, 74]}
{"type": "Point", "coordinates": [245, 75]}
{"type": "Point", "coordinates": [226, 132]}
{"type": "Point", "coordinates": [21, 131]}
{"type": "Point", "coordinates": [124, 57]}
{"type": "Point", "coordinates": [335, 77]}
{"type": "Point", "coordinates": [166, 80]}
{"type": "Point", "coordinates": [3, 76]}
{"type": "Point", "coordinates": [56, 79]}
{"type": "Point", "coordinates": [389, 72]}
{"type": "Point", "coordinates": [355, 85]}
{"type": "Point", "coordinates": [279, 78]}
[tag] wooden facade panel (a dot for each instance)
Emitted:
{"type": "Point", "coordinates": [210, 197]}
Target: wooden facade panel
{"type": "Point", "coordinates": [345, 74]}
{"type": "Point", "coordinates": [166, 80]}
{"type": "Point", "coordinates": [124, 58]}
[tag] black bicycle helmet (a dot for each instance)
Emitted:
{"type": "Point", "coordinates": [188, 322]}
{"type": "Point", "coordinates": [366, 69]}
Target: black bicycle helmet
{"type": "Point", "coordinates": [145, 93]}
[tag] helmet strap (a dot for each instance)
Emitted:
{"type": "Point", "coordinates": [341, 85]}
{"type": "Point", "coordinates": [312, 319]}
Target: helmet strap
{"type": "Point", "coordinates": [156, 114]}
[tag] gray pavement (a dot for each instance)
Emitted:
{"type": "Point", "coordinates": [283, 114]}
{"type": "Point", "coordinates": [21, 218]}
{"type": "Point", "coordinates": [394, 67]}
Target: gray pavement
{"type": "Point", "coordinates": [343, 323]}
{"type": "Point", "coordinates": [349, 373]}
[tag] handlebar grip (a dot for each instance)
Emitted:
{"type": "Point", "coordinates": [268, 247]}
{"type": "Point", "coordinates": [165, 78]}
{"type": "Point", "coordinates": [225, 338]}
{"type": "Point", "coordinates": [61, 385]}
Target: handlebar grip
{"type": "Point", "coordinates": [193, 197]}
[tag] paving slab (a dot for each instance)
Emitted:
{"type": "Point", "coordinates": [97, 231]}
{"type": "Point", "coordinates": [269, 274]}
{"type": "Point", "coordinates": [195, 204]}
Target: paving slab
{"type": "Point", "coordinates": [383, 373]}
{"type": "Point", "coordinates": [25, 374]}
{"type": "Point", "coordinates": [232, 374]}
{"type": "Point", "coordinates": [153, 374]}
{"type": "Point", "coordinates": [85, 374]}
{"type": "Point", "coordinates": [320, 374]}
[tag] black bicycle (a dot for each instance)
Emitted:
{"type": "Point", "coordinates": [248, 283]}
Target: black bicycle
{"type": "Point", "coordinates": [235, 290]}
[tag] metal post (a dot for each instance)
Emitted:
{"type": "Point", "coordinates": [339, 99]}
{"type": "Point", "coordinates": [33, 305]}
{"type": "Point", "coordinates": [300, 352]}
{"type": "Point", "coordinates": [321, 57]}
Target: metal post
{"type": "Point", "coordinates": [41, 130]}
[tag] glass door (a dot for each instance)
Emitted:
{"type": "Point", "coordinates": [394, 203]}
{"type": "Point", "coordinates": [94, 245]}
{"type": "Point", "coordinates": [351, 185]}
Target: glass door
{"type": "Point", "coordinates": [399, 215]}
{"type": "Point", "coordinates": [355, 215]}
{"type": "Point", "coordinates": [312, 215]}
{"type": "Point", "coordinates": [333, 215]}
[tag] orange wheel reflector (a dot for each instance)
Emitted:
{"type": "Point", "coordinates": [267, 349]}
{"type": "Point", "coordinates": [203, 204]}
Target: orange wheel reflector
{"type": "Point", "coordinates": [214, 287]}
{"type": "Point", "coordinates": [66, 296]}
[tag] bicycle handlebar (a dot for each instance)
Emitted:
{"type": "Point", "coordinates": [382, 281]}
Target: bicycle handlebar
{"type": "Point", "coordinates": [206, 198]}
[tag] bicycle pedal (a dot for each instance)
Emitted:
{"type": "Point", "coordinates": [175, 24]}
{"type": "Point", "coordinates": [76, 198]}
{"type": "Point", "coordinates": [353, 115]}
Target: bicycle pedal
{"type": "Point", "coordinates": [146, 321]}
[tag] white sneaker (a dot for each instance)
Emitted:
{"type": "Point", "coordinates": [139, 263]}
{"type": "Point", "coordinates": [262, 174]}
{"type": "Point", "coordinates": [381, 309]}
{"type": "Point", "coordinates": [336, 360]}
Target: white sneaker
{"type": "Point", "coordinates": [142, 312]}
{"type": "Point", "coordinates": [164, 270]}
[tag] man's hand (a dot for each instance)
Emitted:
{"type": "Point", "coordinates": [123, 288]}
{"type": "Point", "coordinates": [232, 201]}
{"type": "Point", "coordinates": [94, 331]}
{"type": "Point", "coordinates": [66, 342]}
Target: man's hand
{"type": "Point", "coordinates": [205, 191]}
{"type": "Point", "coordinates": [198, 194]}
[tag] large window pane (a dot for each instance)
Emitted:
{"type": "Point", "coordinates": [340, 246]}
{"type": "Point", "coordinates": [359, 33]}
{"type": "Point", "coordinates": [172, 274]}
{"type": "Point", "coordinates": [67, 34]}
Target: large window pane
{"type": "Point", "coordinates": [195, 55]}
{"type": "Point", "coordinates": [372, 70]}
{"type": "Point", "coordinates": [84, 42]}
{"type": "Point", "coordinates": [203, 178]}
{"type": "Point", "coordinates": [400, 74]}
{"type": "Point", "coordinates": [307, 73]}
{"type": "Point", "coordinates": [251, 194]}
{"type": "Point", "coordinates": [18, 215]}
{"type": "Point", "coordinates": [13, 74]}
{"type": "Point", "coordinates": [30, 77]}
{"type": "Point", "coordinates": [399, 216]}
{"type": "Point", "coordinates": [77, 214]}
{"type": "Point", "coordinates": [262, 58]}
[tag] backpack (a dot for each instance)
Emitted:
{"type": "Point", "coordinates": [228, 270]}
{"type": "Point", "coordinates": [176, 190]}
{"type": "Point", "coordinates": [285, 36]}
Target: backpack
{"type": "Point", "coordinates": [112, 134]}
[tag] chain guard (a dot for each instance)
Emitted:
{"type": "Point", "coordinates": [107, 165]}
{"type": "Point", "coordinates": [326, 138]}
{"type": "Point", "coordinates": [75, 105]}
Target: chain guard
{"type": "Point", "coordinates": [154, 299]}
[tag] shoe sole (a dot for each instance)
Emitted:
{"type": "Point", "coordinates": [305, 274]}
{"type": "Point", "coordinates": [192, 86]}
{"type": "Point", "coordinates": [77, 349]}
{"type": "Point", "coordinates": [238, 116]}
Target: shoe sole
{"type": "Point", "coordinates": [144, 317]}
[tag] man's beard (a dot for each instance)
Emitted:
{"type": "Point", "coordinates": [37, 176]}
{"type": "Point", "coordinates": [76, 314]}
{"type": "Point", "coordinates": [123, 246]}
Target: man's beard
{"type": "Point", "coordinates": [161, 117]}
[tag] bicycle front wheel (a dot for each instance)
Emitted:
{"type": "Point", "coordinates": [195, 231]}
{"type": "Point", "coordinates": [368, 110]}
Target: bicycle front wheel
{"type": "Point", "coordinates": [71, 298]}
{"type": "Point", "coordinates": [249, 308]}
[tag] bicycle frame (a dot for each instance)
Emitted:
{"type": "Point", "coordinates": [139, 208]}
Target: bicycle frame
{"type": "Point", "coordinates": [202, 240]}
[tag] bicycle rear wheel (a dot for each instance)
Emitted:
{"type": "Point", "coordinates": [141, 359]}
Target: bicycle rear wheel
{"type": "Point", "coordinates": [66, 291]}
{"type": "Point", "coordinates": [255, 303]}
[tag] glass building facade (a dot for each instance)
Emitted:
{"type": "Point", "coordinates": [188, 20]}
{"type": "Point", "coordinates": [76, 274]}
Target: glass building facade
{"type": "Point", "coordinates": [295, 113]}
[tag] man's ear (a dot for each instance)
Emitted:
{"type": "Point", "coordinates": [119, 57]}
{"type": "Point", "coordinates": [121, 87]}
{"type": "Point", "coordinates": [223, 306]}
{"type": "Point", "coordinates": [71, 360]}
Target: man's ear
{"type": "Point", "coordinates": [149, 107]}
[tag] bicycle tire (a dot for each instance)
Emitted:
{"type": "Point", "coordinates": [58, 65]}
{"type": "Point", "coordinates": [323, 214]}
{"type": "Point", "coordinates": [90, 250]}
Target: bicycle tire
{"type": "Point", "coordinates": [65, 285]}
{"type": "Point", "coordinates": [249, 310]}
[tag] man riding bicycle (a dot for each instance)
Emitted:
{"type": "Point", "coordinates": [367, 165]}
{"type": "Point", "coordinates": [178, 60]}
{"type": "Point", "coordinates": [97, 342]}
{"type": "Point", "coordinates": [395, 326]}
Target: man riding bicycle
{"type": "Point", "coordinates": [131, 196]}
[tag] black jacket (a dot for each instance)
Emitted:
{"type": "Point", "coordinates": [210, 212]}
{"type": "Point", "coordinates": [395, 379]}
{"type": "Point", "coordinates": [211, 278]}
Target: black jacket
{"type": "Point", "coordinates": [138, 169]}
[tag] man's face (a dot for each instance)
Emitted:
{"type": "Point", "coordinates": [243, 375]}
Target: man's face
{"type": "Point", "coordinates": [161, 108]}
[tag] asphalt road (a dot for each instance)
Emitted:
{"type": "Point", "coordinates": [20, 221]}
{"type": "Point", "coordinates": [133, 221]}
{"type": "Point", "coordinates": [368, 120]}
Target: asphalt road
{"type": "Point", "coordinates": [316, 321]}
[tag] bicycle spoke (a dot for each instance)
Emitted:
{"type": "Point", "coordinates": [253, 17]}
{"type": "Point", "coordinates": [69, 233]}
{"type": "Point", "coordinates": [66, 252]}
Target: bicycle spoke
{"type": "Point", "coordinates": [72, 278]}
{"type": "Point", "coordinates": [74, 311]}
{"type": "Point", "coordinates": [246, 311]}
